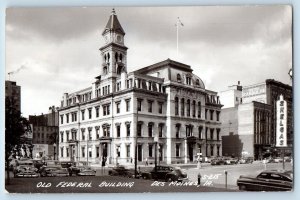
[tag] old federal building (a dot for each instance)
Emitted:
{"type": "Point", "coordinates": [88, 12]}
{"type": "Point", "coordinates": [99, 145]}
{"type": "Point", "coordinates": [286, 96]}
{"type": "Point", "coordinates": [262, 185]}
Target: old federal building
{"type": "Point", "coordinates": [163, 104]}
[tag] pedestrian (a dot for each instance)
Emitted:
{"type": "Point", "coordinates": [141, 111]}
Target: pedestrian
{"type": "Point", "coordinates": [146, 163]}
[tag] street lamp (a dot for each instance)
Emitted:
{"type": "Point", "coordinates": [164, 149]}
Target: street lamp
{"type": "Point", "coordinates": [54, 150]}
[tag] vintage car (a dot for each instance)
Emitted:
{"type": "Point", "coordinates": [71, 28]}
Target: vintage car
{"type": "Point", "coordinates": [246, 160]}
{"type": "Point", "coordinates": [75, 167]}
{"type": "Point", "coordinates": [120, 170]}
{"type": "Point", "coordinates": [53, 171]}
{"type": "Point", "coordinates": [166, 173]}
{"type": "Point", "coordinates": [269, 180]}
{"type": "Point", "coordinates": [26, 171]}
{"type": "Point", "coordinates": [86, 171]}
{"type": "Point", "coordinates": [230, 161]}
{"type": "Point", "coordinates": [218, 161]}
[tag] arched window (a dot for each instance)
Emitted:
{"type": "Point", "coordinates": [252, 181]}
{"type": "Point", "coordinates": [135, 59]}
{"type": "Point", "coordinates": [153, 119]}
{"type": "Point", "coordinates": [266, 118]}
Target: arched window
{"type": "Point", "coordinates": [182, 107]}
{"type": "Point", "coordinates": [199, 109]}
{"type": "Point", "coordinates": [197, 82]}
{"type": "Point", "coordinates": [121, 57]}
{"type": "Point", "coordinates": [188, 109]}
{"type": "Point", "coordinates": [178, 78]}
{"type": "Point", "coordinates": [104, 70]}
{"type": "Point", "coordinates": [119, 70]}
{"type": "Point", "coordinates": [194, 108]}
{"type": "Point", "coordinates": [176, 105]}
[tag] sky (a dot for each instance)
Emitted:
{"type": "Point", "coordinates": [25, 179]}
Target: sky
{"type": "Point", "coordinates": [56, 50]}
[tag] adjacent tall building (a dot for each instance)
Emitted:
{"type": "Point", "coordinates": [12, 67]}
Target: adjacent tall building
{"type": "Point", "coordinates": [256, 118]}
{"type": "Point", "coordinates": [45, 134]}
{"type": "Point", "coordinates": [13, 92]}
{"type": "Point", "coordinates": [163, 105]}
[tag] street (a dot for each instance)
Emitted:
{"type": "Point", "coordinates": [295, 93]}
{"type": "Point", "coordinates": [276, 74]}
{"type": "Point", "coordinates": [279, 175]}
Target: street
{"type": "Point", "coordinates": [212, 180]}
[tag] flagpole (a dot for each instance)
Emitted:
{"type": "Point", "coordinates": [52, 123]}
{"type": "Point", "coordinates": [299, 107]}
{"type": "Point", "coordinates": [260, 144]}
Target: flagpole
{"type": "Point", "coordinates": [177, 24]}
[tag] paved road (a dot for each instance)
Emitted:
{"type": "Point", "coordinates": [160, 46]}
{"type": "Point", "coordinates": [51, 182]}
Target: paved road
{"type": "Point", "coordinates": [215, 175]}
{"type": "Point", "coordinates": [212, 179]}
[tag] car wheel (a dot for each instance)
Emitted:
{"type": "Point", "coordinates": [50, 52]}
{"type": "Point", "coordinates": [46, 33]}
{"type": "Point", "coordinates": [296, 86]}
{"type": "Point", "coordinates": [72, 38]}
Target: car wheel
{"type": "Point", "coordinates": [242, 188]}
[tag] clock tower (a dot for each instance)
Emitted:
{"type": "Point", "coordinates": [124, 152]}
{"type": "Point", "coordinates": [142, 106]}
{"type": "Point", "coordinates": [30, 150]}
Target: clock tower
{"type": "Point", "coordinates": [114, 52]}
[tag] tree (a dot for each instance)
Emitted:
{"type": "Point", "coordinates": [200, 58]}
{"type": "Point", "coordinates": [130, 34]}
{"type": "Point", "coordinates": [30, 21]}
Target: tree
{"type": "Point", "coordinates": [15, 128]}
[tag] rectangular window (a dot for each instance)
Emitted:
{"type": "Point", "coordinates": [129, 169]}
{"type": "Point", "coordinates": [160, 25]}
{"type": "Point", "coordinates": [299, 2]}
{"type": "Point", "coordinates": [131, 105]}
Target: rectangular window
{"type": "Point", "coordinates": [90, 113]}
{"type": "Point", "coordinates": [106, 109]}
{"type": "Point", "coordinates": [97, 133]}
{"type": "Point", "coordinates": [67, 150]}
{"type": "Point", "coordinates": [128, 130]}
{"type": "Point", "coordinates": [67, 136]}
{"type": "Point", "coordinates": [97, 111]}
{"type": "Point", "coordinates": [176, 106]}
{"type": "Point", "coordinates": [218, 115]}
{"type": "Point", "coordinates": [118, 107]}
{"type": "Point", "coordinates": [128, 151]}
{"type": "Point", "coordinates": [90, 134]}
{"type": "Point", "coordinates": [199, 109]}
{"type": "Point", "coordinates": [139, 104]}
{"type": "Point", "coordinates": [205, 113]}
{"type": "Point", "coordinates": [160, 130]}
{"type": "Point", "coordinates": [150, 150]}
{"type": "Point", "coordinates": [61, 137]}
{"type": "Point", "coordinates": [83, 151]}
{"type": "Point", "coordinates": [90, 152]}
{"type": "Point", "coordinates": [150, 106]}
{"type": "Point", "coordinates": [177, 130]}
{"type": "Point", "coordinates": [67, 115]}
{"type": "Point", "coordinates": [61, 119]}
{"type": "Point", "coordinates": [211, 114]}
{"type": "Point", "coordinates": [211, 150]}
{"type": "Point", "coordinates": [150, 130]}
{"type": "Point", "coordinates": [160, 107]}
{"type": "Point", "coordinates": [83, 135]}
{"type": "Point", "coordinates": [188, 109]}
{"type": "Point", "coordinates": [218, 134]}
{"type": "Point", "coordinates": [200, 132]}
{"type": "Point", "coordinates": [177, 150]}
{"type": "Point", "coordinates": [82, 114]}
{"type": "Point", "coordinates": [97, 152]}
{"type": "Point", "coordinates": [194, 108]}
{"type": "Point", "coordinates": [118, 131]}
{"type": "Point", "coordinates": [182, 107]}
{"type": "Point", "coordinates": [61, 152]}
{"type": "Point", "coordinates": [127, 105]}
{"type": "Point", "coordinates": [211, 133]}
{"type": "Point", "coordinates": [139, 130]}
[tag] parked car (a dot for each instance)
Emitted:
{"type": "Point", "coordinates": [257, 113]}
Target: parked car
{"type": "Point", "coordinates": [166, 173]}
{"type": "Point", "coordinates": [120, 170]}
{"type": "Point", "coordinates": [246, 160]}
{"type": "Point", "coordinates": [53, 171]}
{"type": "Point", "coordinates": [269, 180]}
{"type": "Point", "coordinates": [230, 161]}
{"type": "Point", "coordinates": [218, 161]}
{"type": "Point", "coordinates": [86, 171]}
{"type": "Point", "coordinates": [26, 171]}
{"type": "Point", "coordinates": [75, 167]}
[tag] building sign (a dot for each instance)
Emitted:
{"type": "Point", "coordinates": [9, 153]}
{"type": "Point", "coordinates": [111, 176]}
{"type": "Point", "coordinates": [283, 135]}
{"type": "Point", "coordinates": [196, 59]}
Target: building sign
{"type": "Point", "coordinates": [254, 91]}
{"type": "Point", "coordinates": [281, 123]}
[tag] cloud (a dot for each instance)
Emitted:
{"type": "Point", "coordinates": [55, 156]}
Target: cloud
{"type": "Point", "coordinates": [223, 44]}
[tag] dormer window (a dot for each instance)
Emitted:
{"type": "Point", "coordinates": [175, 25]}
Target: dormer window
{"type": "Point", "coordinates": [188, 80]}
{"type": "Point", "coordinates": [178, 78]}
{"type": "Point", "coordinates": [197, 82]}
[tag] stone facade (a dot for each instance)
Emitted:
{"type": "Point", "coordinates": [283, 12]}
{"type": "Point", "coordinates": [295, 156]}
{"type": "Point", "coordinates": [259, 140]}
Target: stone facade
{"type": "Point", "coordinates": [163, 106]}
